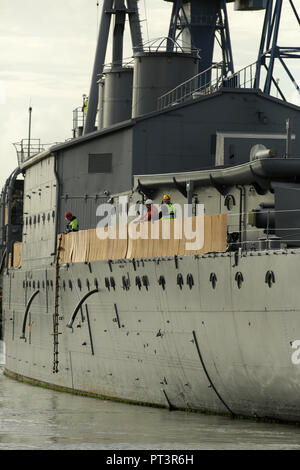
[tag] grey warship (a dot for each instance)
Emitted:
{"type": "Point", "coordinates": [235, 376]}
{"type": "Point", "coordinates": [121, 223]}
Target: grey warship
{"type": "Point", "coordinates": [217, 329]}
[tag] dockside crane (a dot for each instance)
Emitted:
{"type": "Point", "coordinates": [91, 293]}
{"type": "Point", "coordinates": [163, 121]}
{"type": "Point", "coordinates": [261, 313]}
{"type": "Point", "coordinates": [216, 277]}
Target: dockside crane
{"type": "Point", "coordinates": [199, 24]}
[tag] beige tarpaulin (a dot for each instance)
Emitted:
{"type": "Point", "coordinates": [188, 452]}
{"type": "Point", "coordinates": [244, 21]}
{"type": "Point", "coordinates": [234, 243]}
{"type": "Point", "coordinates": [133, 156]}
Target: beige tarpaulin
{"type": "Point", "coordinates": [160, 238]}
{"type": "Point", "coordinates": [17, 256]}
{"type": "Point", "coordinates": [80, 246]}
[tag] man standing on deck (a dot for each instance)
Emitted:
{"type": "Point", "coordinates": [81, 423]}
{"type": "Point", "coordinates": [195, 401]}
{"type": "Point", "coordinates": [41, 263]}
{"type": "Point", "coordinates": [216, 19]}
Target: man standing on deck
{"type": "Point", "coordinates": [168, 210]}
{"type": "Point", "coordinates": [151, 214]}
{"type": "Point", "coordinates": [84, 105]}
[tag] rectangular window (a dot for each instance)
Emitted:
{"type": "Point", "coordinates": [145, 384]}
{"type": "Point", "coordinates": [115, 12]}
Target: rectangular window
{"type": "Point", "coordinates": [100, 163]}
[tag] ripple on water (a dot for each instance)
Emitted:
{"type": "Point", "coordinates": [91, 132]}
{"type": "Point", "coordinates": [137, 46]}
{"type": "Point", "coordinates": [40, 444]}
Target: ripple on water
{"type": "Point", "coordinates": [36, 418]}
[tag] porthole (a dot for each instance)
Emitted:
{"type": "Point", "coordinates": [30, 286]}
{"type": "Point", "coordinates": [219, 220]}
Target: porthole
{"type": "Point", "coordinates": [145, 281]}
{"type": "Point", "coordinates": [239, 279]}
{"type": "Point", "coordinates": [213, 280]}
{"type": "Point", "coordinates": [190, 280]}
{"type": "Point", "coordinates": [107, 283]}
{"type": "Point", "coordinates": [112, 283]}
{"type": "Point", "coordinates": [125, 283]}
{"type": "Point", "coordinates": [229, 202]}
{"type": "Point", "coordinates": [270, 278]}
{"type": "Point", "coordinates": [138, 282]}
{"type": "Point", "coordinates": [180, 280]}
{"type": "Point", "coordinates": [162, 282]}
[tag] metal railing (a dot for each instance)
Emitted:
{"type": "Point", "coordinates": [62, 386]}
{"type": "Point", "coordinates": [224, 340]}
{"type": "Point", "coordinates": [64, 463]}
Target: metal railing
{"type": "Point", "coordinates": [276, 235]}
{"type": "Point", "coordinates": [207, 82]}
{"type": "Point", "coordinates": [78, 121]}
{"type": "Point", "coordinates": [29, 148]}
{"type": "Point", "coordinates": [162, 44]}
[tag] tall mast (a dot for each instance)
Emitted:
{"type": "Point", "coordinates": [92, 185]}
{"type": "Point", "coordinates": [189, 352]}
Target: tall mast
{"type": "Point", "coordinates": [198, 23]}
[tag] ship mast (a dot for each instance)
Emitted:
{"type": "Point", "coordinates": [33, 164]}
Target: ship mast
{"type": "Point", "coordinates": [199, 23]}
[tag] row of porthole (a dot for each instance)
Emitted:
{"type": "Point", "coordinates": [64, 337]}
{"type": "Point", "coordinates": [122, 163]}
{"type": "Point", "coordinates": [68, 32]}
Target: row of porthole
{"type": "Point", "coordinates": [139, 282]}
{"type": "Point", "coordinates": [37, 284]}
{"type": "Point", "coordinates": [239, 278]}
{"type": "Point", "coordinates": [36, 219]}
{"type": "Point", "coordinates": [269, 278]}
{"type": "Point", "coordinates": [143, 281]}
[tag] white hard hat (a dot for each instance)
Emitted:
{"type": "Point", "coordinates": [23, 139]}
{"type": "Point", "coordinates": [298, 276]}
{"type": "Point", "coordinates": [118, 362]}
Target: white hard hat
{"type": "Point", "coordinates": [149, 201]}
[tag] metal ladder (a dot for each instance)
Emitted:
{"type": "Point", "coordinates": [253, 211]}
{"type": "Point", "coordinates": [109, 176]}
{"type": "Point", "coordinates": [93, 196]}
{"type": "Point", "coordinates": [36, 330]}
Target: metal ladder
{"type": "Point", "coordinates": [55, 314]}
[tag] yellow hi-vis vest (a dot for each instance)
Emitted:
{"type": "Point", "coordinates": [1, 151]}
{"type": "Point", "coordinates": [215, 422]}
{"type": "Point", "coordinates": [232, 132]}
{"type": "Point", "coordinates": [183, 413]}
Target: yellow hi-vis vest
{"type": "Point", "coordinates": [85, 105]}
{"type": "Point", "coordinates": [74, 224]}
{"type": "Point", "coordinates": [171, 210]}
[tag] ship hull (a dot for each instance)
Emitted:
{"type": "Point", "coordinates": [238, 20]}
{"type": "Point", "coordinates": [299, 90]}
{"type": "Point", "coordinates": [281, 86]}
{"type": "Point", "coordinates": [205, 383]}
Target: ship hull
{"type": "Point", "coordinates": [189, 335]}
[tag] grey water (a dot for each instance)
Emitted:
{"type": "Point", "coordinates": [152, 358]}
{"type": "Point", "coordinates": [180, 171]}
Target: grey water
{"type": "Point", "coordinates": [33, 418]}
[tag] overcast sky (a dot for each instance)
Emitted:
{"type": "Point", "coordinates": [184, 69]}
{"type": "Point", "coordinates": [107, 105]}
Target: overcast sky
{"type": "Point", "coordinates": [46, 58]}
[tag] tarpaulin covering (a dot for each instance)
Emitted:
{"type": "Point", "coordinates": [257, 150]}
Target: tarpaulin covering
{"type": "Point", "coordinates": [161, 238]}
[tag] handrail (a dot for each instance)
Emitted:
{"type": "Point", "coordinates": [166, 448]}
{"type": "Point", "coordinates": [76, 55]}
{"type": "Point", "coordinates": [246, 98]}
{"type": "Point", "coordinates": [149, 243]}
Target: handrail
{"type": "Point", "coordinates": [27, 149]}
{"type": "Point", "coordinates": [205, 84]}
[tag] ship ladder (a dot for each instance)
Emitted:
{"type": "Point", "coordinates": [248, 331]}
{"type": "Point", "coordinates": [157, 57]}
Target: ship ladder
{"type": "Point", "coordinates": [56, 310]}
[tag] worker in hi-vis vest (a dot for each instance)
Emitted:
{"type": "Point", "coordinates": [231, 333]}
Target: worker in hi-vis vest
{"type": "Point", "coordinates": [85, 104]}
{"type": "Point", "coordinates": [72, 225]}
{"type": "Point", "coordinates": [168, 210]}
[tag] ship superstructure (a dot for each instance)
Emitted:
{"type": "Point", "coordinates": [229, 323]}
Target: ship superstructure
{"type": "Point", "coordinates": [215, 329]}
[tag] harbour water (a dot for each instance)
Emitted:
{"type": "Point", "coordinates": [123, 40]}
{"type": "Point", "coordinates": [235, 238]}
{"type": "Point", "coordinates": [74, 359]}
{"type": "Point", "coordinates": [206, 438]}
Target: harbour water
{"type": "Point", "coordinates": [33, 418]}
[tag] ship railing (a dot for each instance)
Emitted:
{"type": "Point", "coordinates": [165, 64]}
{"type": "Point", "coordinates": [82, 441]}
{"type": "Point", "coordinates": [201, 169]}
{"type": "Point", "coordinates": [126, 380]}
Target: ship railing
{"type": "Point", "coordinates": [125, 64]}
{"type": "Point", "coordinates": [274, 235]}
{"type": "Point", "coordinates": [167, 43]}
{"type": "Point", "coordinates": [207, 82]}
{"type": "Point", "coordinates": [78, 121]}
{"type": "Point", "coordinates": [265, 243]}
{"type": "Point", "coordinates": [29, 148]}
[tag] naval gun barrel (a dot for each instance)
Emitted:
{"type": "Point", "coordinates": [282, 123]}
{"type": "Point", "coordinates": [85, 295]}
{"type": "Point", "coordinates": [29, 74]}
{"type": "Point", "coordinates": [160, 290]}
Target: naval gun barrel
{"type": "Point", "coordinates": [266, 153]}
